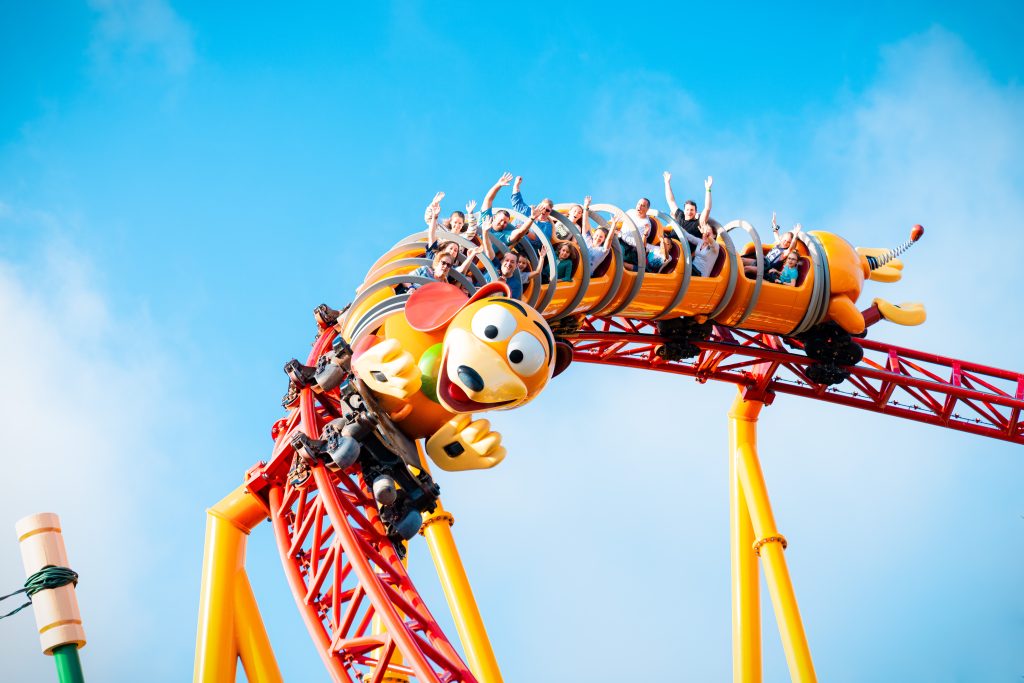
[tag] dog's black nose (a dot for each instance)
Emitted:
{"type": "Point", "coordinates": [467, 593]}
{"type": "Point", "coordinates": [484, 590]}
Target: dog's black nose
{"type": "Point", "coordinates": [471, 378]}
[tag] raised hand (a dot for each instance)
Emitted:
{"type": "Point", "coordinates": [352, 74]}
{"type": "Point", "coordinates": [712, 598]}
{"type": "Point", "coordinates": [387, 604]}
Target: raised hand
{"type": "Point", "coordinates": [708, 183]}
{"type": "Point", "coordinates": [586, 202]}
{"type": "Point", "coordinates": [486, 225]}
{"type": "Point", "coordinates": [667, 176]}
{"type": "Point", "coordinates": [797, 228]}
{"type": "Point", "coordinates": [436, 201]}
{"type": "Point", "coordinates": [505, 179]}
{"type": "Point", "coordinates": [775, 226]}
{"type": "Point", "coordinates": [517, 183]}
{"type": "Point", "coordinates": [470, 205]}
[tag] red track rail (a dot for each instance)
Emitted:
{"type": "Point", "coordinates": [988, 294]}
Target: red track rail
{"type": "Point", "coordinates": [909, 384]}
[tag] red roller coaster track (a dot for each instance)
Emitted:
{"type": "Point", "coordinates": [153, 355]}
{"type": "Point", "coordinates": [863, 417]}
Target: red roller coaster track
{"type": "Point", "coordinates": [909, 384]}
{"type": "Point", "coordinates": [344, 572]}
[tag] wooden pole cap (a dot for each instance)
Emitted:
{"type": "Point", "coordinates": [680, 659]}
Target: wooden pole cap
{"type": "Point", "coordinates": [56, 609]}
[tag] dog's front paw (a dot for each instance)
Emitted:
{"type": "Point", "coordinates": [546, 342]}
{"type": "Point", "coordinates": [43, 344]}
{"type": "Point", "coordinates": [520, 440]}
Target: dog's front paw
{"type": "Point", "coordinates": [462, 444]}
{"type": "Point", "coordinates": [388, 369]}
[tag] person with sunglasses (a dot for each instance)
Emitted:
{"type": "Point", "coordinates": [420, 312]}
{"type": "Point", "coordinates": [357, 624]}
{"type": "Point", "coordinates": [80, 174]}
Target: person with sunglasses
{"type": "Point", "coordinates": [438, 270]}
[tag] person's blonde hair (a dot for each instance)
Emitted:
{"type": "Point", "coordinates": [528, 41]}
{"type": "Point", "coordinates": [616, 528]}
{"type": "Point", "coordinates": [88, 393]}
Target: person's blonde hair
{"type": "Point", "coordinates": [440, 254]}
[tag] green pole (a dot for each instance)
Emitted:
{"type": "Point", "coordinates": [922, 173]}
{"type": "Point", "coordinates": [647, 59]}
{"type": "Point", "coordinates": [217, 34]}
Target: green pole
{"type": "Point", "coordinates": [69, 666]}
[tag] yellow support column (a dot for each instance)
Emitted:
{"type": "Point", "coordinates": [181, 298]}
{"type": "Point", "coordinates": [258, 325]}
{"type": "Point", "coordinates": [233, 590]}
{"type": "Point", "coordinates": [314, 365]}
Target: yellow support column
{"type": "Point", "coordinates": [746, 587]}
{"type": "Point", "coordinates": [479, 654]}
{"type": "Point", "coordinates": [437, 529]}
{"type": "Point", "coordinates": [228, 524]}
{"type": "Point", "coordinates": [770, 543]}
{"type": "Point", "coordinates": [252, 642]}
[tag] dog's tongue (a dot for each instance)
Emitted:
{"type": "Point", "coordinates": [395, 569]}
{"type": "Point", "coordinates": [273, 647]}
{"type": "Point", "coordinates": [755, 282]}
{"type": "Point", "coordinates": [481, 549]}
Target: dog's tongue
{"type": "Point", "coordinates": [457, 392]}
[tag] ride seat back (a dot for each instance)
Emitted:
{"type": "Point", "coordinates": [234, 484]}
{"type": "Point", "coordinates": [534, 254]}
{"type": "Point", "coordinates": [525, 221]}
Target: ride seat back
{"type": "Point", "coordinates": [602, 267]}
{"type": "Point", "coordinates": [719, 262]}
{"type": "Point", "coordinates": [802, 269]}
{"type": "Point", "coordinates": [574, 255]}
{"type": "Point", "coordinates": [654, 236]}
{"type": "Point", "coordinates": [673, 257]}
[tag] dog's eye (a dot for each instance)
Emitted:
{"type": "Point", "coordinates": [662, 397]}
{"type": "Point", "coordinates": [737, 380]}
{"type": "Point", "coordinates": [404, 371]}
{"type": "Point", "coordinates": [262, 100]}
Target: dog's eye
{"type": "Point", "coordinates": [525, 353]}
{"type": "Point", "coordinates": [493, 323]}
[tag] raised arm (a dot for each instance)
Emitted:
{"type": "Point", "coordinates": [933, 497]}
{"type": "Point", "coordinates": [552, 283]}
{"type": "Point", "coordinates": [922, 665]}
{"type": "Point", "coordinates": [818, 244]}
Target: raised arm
{"type": "Point", "coordinates": [585, 221]}
{"type": "Point", "coordinates": [690, 238]}
{"type": "Point", "coordinates": [775, 228]}
{"type": "Point", "coordinates": [504, 180]}
{"type": "Point", "coordinates": [540, 263]}
{"type": "Point", "coordinates": [433, 211]}
{"type": "Point", "coordinates": [519, 232]}
{"type": "Point", "coordinates": [485, 238]}
{"type": "Point", "coordinates": [670, 197]}
{"type": "Point", "coordinates": [706, 213]}
{"type": "Point", "coordinates": [470, 255]}
{"type": "Point", "coordinates": [470, 219]}
{"type": "Point", "coordinates": [517, 197]}
{"type": "Point", "coordinates": [792, 244]}
{"type": "Point", "coordinates": [708, 235]}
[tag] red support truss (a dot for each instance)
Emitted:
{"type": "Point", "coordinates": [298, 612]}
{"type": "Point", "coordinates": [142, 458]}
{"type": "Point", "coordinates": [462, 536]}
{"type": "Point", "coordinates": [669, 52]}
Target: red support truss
{"type": "Point", "coordinates": [912, 385]}
{"type": "Point", "coordinates": [343, 570]}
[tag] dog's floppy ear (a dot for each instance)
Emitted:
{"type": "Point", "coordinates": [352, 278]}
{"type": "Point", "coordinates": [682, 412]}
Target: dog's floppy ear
{"type": "Point", "coordinates": [563, 357]}
{"type": "Point", "coordinates": [433, 305]}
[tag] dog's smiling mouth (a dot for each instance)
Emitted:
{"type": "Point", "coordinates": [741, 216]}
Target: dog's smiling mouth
{"type": "Point", "coordinates": [455, 397]}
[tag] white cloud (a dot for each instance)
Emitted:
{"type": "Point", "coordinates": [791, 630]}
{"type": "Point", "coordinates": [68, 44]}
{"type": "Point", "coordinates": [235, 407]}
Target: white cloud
{"type": "Point", "coordinates": [936, 141]}
{"type": "Point", "coordinates": [142, 29]}
{"type": "Point", "coordinates": [82, 405]}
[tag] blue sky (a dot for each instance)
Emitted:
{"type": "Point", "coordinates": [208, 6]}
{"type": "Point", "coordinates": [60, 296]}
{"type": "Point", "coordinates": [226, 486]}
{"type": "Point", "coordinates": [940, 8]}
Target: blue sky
{"type": "Point", "coordinates": [180, 183]}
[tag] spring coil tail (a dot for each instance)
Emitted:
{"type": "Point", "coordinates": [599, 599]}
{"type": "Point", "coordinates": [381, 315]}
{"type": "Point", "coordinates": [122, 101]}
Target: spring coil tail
{"type": "Point", "coordinates": [876, 262]}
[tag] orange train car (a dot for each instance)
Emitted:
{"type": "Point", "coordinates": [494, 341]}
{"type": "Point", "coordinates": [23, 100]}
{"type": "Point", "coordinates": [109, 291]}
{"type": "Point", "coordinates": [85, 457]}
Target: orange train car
{"type": "Point", "coordinates": [831, 277]}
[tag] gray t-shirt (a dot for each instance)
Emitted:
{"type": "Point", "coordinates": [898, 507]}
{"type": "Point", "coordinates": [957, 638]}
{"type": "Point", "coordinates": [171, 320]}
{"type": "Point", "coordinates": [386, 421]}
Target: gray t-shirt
{"type": "Point", "coordinates": [597, 253]}
{"type": "Point", "coordinates": [704, 256]}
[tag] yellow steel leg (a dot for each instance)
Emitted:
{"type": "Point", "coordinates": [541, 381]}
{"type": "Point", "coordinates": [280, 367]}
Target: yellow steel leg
{"type": "Point", "coordinates": [746, 588]}
{"type": "Point", "coordinates": [227, 525]}
{"type": "Point", "coordinates": [479, 655]}
{"type": "Point", "coordinates": [437, 529]}
{"type": "Point", "coordinates": [743, 423]}
{"type": "Point", "coordinates": [252, 643]}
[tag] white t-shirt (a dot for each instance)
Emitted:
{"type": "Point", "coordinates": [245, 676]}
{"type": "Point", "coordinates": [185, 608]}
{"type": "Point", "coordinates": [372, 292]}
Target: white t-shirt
{"type": "Point", "coordinates": [628, 235]}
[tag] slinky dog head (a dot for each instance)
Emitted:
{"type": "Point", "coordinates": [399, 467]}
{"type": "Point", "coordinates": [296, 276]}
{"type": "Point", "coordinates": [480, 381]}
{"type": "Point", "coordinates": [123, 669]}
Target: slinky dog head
{"type": "Point", "coordinates": [497, 353]}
